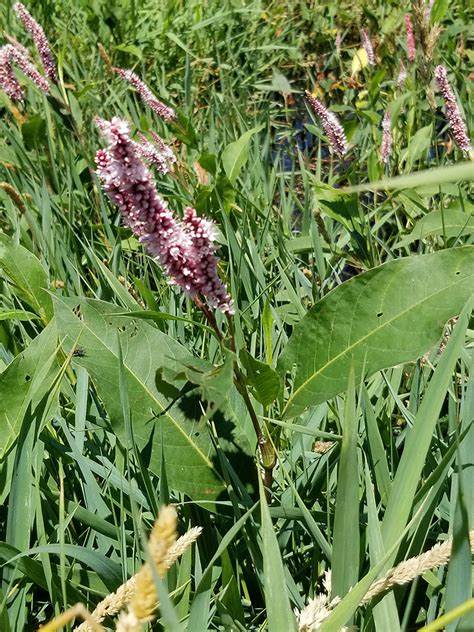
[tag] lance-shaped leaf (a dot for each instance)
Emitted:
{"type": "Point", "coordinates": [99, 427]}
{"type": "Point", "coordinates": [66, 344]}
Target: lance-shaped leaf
{"type": "Point", "coordinates": [159, 412]}
{"type": "Point", "coordinates": [24, 382]}
{"type": "Point", "coordinates": [27, 275]}
{"type": "Point", "coordinates": [264, 382]}
{"type": "Point", "coordinates": [448, 223]}
{"type": "Point", "coordinates": [236, 154]}
{"type": "Point", "coordinates": [389, 315]}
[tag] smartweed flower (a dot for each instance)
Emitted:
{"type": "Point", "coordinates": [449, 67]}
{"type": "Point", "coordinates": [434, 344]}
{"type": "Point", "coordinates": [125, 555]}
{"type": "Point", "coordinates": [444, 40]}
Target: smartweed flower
{"type": "Point", "coordinates": [185, 248]}
{"type": "Point", "coordinates": [386, 148]}
{"type": "Point", "coordinates": [332, 127]}
{"type": "Point", "coordinates": [402, 75]}
{"type": "Point", "coordinates": [367, 44]}
{"type": "Point", "coordinates": [146, 94]}
{"type": "Point", "coordinates": [10, 55]}
{"type": "Point", "coordinates": [40, 40]}
{"type": "Point", "coordinates": [411, 46]}
{"type": "Point", "coordinates": [428, 10]}
{"type": "Point", "coordinates": [453, 114]}
{"type": "Point", "coordinates": [156, 153]}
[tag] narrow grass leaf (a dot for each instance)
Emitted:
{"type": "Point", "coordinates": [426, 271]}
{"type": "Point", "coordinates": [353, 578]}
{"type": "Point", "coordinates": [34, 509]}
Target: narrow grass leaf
{"type": "Point", "coordinates": [279, 614]}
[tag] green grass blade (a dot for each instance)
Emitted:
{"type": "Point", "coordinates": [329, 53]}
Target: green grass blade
{"type": "Point", "coordinates": [418, 441]}
{"type": "Point", "coordinates": [279, 614]}
{"type": "Point", "coordinates": [346, 549]}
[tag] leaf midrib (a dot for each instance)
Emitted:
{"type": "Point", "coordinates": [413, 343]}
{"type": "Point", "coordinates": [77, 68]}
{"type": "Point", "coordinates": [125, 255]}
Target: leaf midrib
{"type": "Point", "coordinates": [371, 332]}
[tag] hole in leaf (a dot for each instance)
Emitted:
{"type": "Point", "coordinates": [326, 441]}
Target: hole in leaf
{"type": "Point", "coordinates": [27, 377]}
{"type": "Point", "coordinates": [379, 314]}
{"type": "Point", "coordinates": [458, 272]}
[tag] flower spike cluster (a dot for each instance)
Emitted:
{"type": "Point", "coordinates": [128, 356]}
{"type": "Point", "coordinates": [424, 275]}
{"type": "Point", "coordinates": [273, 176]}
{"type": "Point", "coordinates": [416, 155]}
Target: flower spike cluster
{"type": "Point", "coordinates": [40, 40]}
{"type": "Point", "coordinates": [367, 45]}
{"type": "Point", "coordinates": [453, 114]}
{"type": "Point", "coordinates": [185, 249]}
{"type": "Point", "coordinates": [9, 55]}
{"type": "Point", "coordinates": [411, 46]}
{"type": "Point", "coordinates": [386, 148]}
{"type": "Point", "coordinates": [333, 129]}
{"type": "Point", "coordinates": [146, 94]}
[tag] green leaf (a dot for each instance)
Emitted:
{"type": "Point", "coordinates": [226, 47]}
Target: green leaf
{"type": "Point", "coordinates": [279, 614]}
{"type": "Point", "coordinates": [447, 222]}
{"type": "Point", "coordinates": [156, 414]}
{"type": "Point", "coordinates": [27, 275]}
{"type": "Point", "coordinates": [236, 154]}
{"type": "Point", "coordinates": [198, 614]}
{"type": "Point", "coordinates": [17, 314]}
{"type": "Point", "coordinates": [215, 382]}
{"type": "Point", "coordinates": [439, 175]}
{"type": "Point", "coordinates": [340, 206]}
{"type": "Point", "coordinates": [34, 131]}
{"type": "Point", "coordinates": [110, 572]}
{"type": "Point", "coordinates": [389, 315]}
{"type": "Point", "coordinates": [458, 581]}
{"type": "Point", "coordinates": [263, 380]}
{"type": "Point", "coordinates": [417, 146]}
{"type": "Point", "coordinates": [377, 449]}
{"type": "Point", "coordinates": [24, 383]}
{"type": "Point", "coordinates": [131, 49]}
{"type": "Point", "coordinates": [346, 551]}
{"type": "Point", "coordinates": [439, 10]}
{"type": "Point", "coordinates": [208, 162]}
{"type": "Point", "coordinates": [385, 611]}
{"type": "Point", "coordinates": [280, 83]}
{"type": "Point", "coordinates": [160, 316]}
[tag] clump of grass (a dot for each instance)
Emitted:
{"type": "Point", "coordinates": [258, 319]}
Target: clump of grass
{"type": "Point", "coordinates": [121, 393]}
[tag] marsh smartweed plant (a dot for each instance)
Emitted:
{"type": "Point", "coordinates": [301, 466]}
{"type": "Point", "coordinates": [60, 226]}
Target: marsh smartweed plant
{"type": "Point", "coordinates": [236, 248]}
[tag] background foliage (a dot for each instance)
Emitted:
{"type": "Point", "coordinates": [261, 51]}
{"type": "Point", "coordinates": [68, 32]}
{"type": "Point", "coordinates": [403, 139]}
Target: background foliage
{"type": "Point", "coordinates": [110, 403]}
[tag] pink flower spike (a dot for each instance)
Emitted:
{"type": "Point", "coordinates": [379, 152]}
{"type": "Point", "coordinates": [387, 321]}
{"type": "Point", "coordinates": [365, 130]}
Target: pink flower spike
{"type": "Point", "coordinates": [411, 45]}
{"type": "Point", "coordinates": [10, 54]}
{"type": "Point", "coordinates": [146, 94]}
{"type": "Point", "coordinates": [386, 148]}
{"type": "Point", "coordinates": [453, 114]}
{"type": "Point", "coordinates": [331, 125]}
{"type": "Point", "coordinates": [40, 40]}
{"type": "Point", "coordinates": [367, 44]}
{"type": "Point", "coordinates": [185, 249]}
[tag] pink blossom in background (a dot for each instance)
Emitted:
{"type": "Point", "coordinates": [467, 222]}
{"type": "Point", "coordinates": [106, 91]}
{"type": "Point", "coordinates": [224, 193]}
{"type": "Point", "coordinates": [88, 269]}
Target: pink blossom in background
{"type": "Point", "coordinates": [40, 40]}
{"type": "Point", "coordinates": [146, 94]}
{"type": "Point", "coordinates": [411, 46]}
{"type": "Point", "coordinates": [331, 125]}
{"type": "Point", "coordinates": [156, 153]}
{"type": "Point", "coordinates": [185, 249]}
{"type": "Point", "coordinates": [367, 44]}
{"type": "Point", "coordinates": [402, 75]}
{"type": "Point", "coordinates": [386, 148]}
{"type": "Point", "coordinates": [10, 55]}
{"type": "Point", "coordinates": [453, 114]}
{"type": "Point", "coordinates": [429, 9]}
